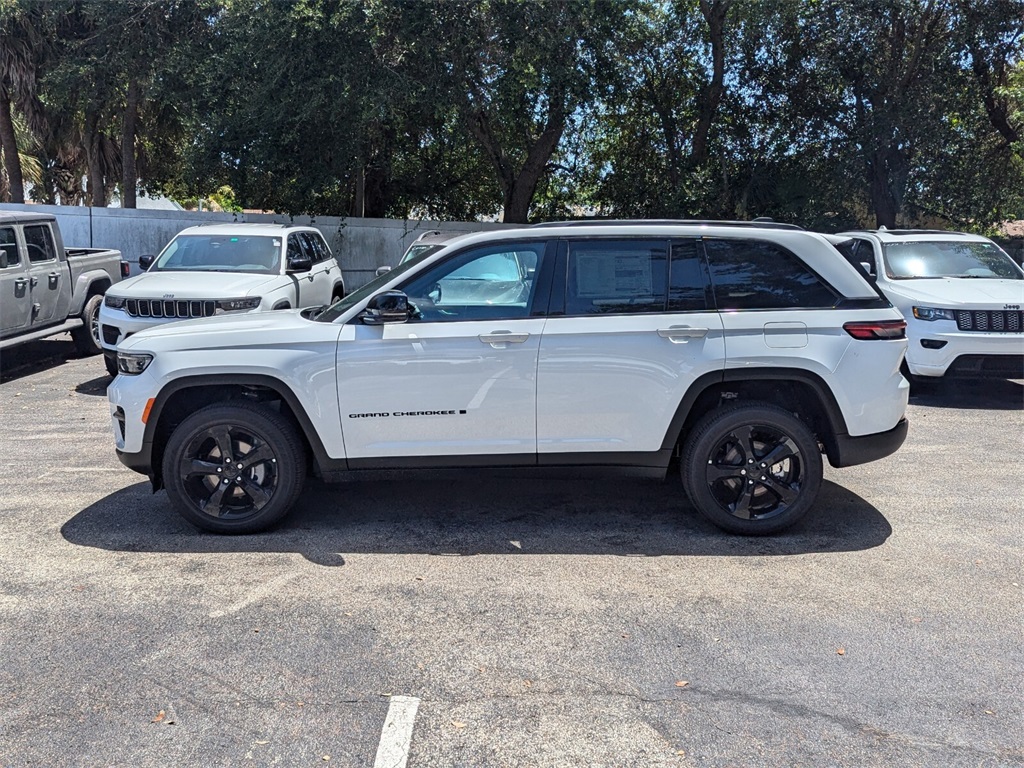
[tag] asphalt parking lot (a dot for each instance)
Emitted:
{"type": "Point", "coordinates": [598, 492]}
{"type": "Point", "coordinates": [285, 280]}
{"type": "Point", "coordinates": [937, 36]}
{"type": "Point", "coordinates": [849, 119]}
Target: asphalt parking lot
{"type": "Point", "coordinates": [557, 621]}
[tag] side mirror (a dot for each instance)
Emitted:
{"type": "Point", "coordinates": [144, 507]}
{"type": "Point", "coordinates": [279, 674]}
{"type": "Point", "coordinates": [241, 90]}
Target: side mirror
{"type": "Point", "coordinates": [145, 262]}
{"type": "Point", "coordinates": [387, 307]}
{"type": "Point", "coordinates": [299, 264]}
{"type": "Point", "coordinates": [868, 267]}
{"type": "Point", "coordinates": [3, 259]}
{"type": "Point", "coordinates": [382, 271]}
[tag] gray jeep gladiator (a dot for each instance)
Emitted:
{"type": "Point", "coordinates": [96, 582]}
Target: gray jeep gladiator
{"type": "Point", "coordinates": [47, 289]}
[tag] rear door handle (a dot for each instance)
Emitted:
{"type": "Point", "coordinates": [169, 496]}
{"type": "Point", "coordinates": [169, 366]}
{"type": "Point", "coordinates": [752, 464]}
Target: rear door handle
{"type": "Point", "coordinates": [680, 334]}
{"type": "Point", "coordinates": [499, 339]}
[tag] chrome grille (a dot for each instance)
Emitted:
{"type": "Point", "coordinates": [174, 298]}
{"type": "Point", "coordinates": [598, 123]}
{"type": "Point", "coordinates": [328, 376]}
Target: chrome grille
{"type": "Point", "coordinates": [990, 320]}
{"type": "Point", "coordinates": [174, 310]}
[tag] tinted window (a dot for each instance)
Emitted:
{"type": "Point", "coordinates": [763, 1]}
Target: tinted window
{"type": "Point", "coordinates": [9, 246]}
{"type": "Point", "coordinates": [492, 282]}
{"type": "Point", "coordinates": [616, 276]}
{"type": "Point", "coordinates": [39, 243]}
{"type": "Point", "coordinates": [686, 278]}
{"type": "Point", "coordinates": [320, 245]}
{"type": "Point", "coordinates": [751, 274]}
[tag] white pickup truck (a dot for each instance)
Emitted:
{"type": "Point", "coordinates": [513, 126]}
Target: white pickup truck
{"type": "Point", "coordinates": [47, 289]}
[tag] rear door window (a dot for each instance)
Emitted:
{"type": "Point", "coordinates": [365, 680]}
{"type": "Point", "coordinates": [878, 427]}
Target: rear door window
{"type": "Point", "coordinates": [616, 277]}
{"type": "Point", "coordinates": [754, 274]}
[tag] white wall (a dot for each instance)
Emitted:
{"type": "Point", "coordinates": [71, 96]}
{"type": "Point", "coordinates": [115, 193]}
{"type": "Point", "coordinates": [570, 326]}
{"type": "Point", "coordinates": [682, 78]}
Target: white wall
{"type": "Point", "coordinates": [361, 245]}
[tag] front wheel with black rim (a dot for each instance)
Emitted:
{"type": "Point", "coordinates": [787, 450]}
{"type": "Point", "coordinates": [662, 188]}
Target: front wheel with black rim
{"type": "Point", "coordinates": [752, 469]}
{"type": "Point", "coordinates": [234, 468]}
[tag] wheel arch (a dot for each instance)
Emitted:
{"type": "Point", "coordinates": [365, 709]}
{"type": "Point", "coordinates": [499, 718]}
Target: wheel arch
{"type": "Point", "coordinates": [796, 390]}
{"type": "Point", "coordinates": [184, 396]}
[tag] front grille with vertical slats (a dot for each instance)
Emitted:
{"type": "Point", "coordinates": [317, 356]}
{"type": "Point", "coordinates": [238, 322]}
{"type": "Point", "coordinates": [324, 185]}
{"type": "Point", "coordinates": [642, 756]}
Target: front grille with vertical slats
{"type": "Point", "coordinates": [990, 320]}
{"type": "Point", "coordinates": [178, 309]}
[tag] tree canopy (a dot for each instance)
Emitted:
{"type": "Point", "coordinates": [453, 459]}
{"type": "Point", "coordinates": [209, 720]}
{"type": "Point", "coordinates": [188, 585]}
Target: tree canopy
{"type": "Point", "coordinates": [826, 113]}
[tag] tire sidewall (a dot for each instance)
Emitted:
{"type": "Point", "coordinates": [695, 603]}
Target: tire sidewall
{"type": "Point", "coordinates": [86, 341]}
{"type": "Point", "coordinates": [268, 424]}
{"type": "Point", "coordinates": [708, 433]}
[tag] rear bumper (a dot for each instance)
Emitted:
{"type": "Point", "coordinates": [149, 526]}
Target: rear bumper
{"type": "Point", "coordinates": [849, 451]}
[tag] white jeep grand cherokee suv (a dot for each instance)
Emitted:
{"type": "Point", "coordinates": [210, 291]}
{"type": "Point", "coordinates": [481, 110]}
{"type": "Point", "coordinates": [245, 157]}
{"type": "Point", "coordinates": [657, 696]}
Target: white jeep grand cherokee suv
{"type": "Point", "coordinates": [961, 295]}
{"type": "Point", "coordinates": [743, 351]}
{"type": "Point", "coordinates": [219, 269]}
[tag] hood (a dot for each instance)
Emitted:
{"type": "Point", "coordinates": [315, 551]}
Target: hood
{"type": "Point", "coordinates": [192, 285]}
{"type": "Point", "coordinates": [210, 331]}
{"type": "Point", "coordinates": [955, 292]}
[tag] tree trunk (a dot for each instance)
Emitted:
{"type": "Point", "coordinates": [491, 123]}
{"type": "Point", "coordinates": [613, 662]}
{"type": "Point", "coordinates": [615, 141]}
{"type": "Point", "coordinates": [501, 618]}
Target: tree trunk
{"type": "Point", "coordinates": [714, 13]}
{"type": "Point", "coordinates": [519, 188]}
{"type": "Point", "coordinates": [129, 174]}
{"type": "Point", "coordinates": [94, 189]}
{"type": "Point", "coordinates": [9, 143]}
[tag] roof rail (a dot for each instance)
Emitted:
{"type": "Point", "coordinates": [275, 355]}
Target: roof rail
{"type": "Point", "coordinates": [756, 224]}
{"type": "Point", "coordinates": [913, 231]}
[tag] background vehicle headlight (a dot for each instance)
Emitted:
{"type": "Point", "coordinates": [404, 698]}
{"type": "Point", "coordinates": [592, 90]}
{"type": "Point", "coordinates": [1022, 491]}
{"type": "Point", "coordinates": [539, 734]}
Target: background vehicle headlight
{"type": "Point", "coordinates": [133, 363]}
{"type": "Point", "coordinates": [238, 305]}
{"type": "Point", "coordinates": [114, 302]}
{"type": "Point", "coordinates": [931, 313]}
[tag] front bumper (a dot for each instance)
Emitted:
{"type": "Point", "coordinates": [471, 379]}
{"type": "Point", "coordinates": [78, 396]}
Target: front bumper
{"type": "Point", "coordinates": [953, 344]}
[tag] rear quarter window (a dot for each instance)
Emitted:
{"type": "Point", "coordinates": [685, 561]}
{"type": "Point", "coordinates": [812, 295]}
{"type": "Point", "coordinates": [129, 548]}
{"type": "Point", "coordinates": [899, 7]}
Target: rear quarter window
{"type": "Point", "coordinates": [754, 274]}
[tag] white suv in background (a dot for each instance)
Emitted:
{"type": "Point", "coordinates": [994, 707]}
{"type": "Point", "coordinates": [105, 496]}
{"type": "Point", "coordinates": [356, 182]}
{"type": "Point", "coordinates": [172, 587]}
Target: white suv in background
{"type": "Point", "coordinates": [219, 269]}
{"type": "Point", "coordinates": [740, 353]}
{"type": "Point", "coordinates": [962, 297]}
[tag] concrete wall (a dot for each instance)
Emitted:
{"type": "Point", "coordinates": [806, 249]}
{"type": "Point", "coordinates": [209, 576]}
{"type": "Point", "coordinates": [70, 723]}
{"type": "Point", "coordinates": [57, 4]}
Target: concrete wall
{"type": "Point", "coordinates": [361, 245]}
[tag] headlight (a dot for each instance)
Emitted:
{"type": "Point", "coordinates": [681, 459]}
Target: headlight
{"type": "Point", "coordinates": [930, 313]}
{"type": "Point", "coordinates": [133, 363]}
{"type": "Point", "coordinates": [238, 305]}
{"type": "Point", "coordinates": [114, 302]}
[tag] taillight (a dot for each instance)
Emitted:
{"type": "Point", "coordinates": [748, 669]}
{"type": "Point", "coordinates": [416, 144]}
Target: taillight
{"type": "Point", "coordinates": [126, 269]}
{"type": "Point", "coordinates": [883, 329]}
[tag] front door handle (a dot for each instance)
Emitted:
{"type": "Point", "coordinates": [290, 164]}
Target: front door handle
{"type": "Point", "coordinates": [500, 339]}
{"type": "Point", "coordinates": [680, 334]}
{"type": "Point", "coordinates": [20, 283]}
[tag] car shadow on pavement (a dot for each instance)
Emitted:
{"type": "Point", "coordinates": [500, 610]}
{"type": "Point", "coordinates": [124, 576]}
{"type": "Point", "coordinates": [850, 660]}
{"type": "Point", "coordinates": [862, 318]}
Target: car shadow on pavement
{"type": "Point", "coordinates": [35, 356]}
{"type": "Point", "coordinates": [97, 386]}
{"type": "Point", "coordinates": [464, 513]}
{"type": "Point", "coordinates": [982, 394]}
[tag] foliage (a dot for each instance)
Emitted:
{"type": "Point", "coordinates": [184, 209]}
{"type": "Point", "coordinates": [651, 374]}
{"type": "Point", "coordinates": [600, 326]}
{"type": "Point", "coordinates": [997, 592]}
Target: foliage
{"type": "Point", "coordinates": [827, 113]}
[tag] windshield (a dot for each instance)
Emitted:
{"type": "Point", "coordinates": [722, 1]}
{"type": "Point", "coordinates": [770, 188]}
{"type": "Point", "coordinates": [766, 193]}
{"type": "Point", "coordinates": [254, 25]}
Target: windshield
{"type": "Point", "coordinates": [904, 261]}
{"type": "Point", "coordinates": [340, 307]}
{"type": "Point", "coordinates": [221, 253]}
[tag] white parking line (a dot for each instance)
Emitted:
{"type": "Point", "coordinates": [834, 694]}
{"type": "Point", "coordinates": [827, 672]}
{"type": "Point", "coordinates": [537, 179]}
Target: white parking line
{"type": "Point", "coordinates": [396, 738]}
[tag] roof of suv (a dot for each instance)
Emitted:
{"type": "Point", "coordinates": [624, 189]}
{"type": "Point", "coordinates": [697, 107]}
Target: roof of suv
{"type": "Point", "coordinates": [905, 235]}
{"type": "Point", "coordinates": [756, 223]}
{"type": "Point", "coordinates": [232, 228]}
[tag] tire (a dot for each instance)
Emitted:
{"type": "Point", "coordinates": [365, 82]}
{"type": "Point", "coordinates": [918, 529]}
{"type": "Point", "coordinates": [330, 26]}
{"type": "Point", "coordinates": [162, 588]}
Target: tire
{"type": "Point", "coordinates": [110, 363]}
{"type": "Point", "coordinates": [267, 447]}
{"type": "Point", "coordinates": [723, 448]}
{"type": "Point", "coordinates": [338, 293]}
{"type": "Point", "coordinates": [87, 338]}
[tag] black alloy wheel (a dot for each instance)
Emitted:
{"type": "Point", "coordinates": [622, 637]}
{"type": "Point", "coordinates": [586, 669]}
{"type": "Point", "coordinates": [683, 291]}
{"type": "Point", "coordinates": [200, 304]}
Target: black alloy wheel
{"type": "Point", "coordinates": [752, 469]}
{"type": "Point", "coordinates": [234, 468]}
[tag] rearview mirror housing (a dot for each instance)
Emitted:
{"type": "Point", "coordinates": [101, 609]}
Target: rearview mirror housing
{"type": "Point", "coordinates": [387, 307]}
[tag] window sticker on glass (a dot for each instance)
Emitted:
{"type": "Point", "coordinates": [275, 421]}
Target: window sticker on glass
{"type": "Point", "coordinates": [277, 243]}
{"type": "Point", "coordinates": [613, 274]}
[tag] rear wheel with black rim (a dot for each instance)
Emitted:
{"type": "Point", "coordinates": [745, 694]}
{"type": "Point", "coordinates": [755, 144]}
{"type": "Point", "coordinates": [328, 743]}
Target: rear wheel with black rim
{"type": "Point", "coordinates": [234, 468]}
{"type": "Point", "coordinates": [752, 469]}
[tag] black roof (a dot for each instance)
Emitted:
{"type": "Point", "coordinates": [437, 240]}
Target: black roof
{"type": "Point", "coordinates": [666, 222]}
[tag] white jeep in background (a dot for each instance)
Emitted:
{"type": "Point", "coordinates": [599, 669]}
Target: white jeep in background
{"type": "Point", "coordinates": [739, 353]}
{"type": "Point", "coordinates": [221, 269]}
{"type": "Point", "coordinates": [961, 294]}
